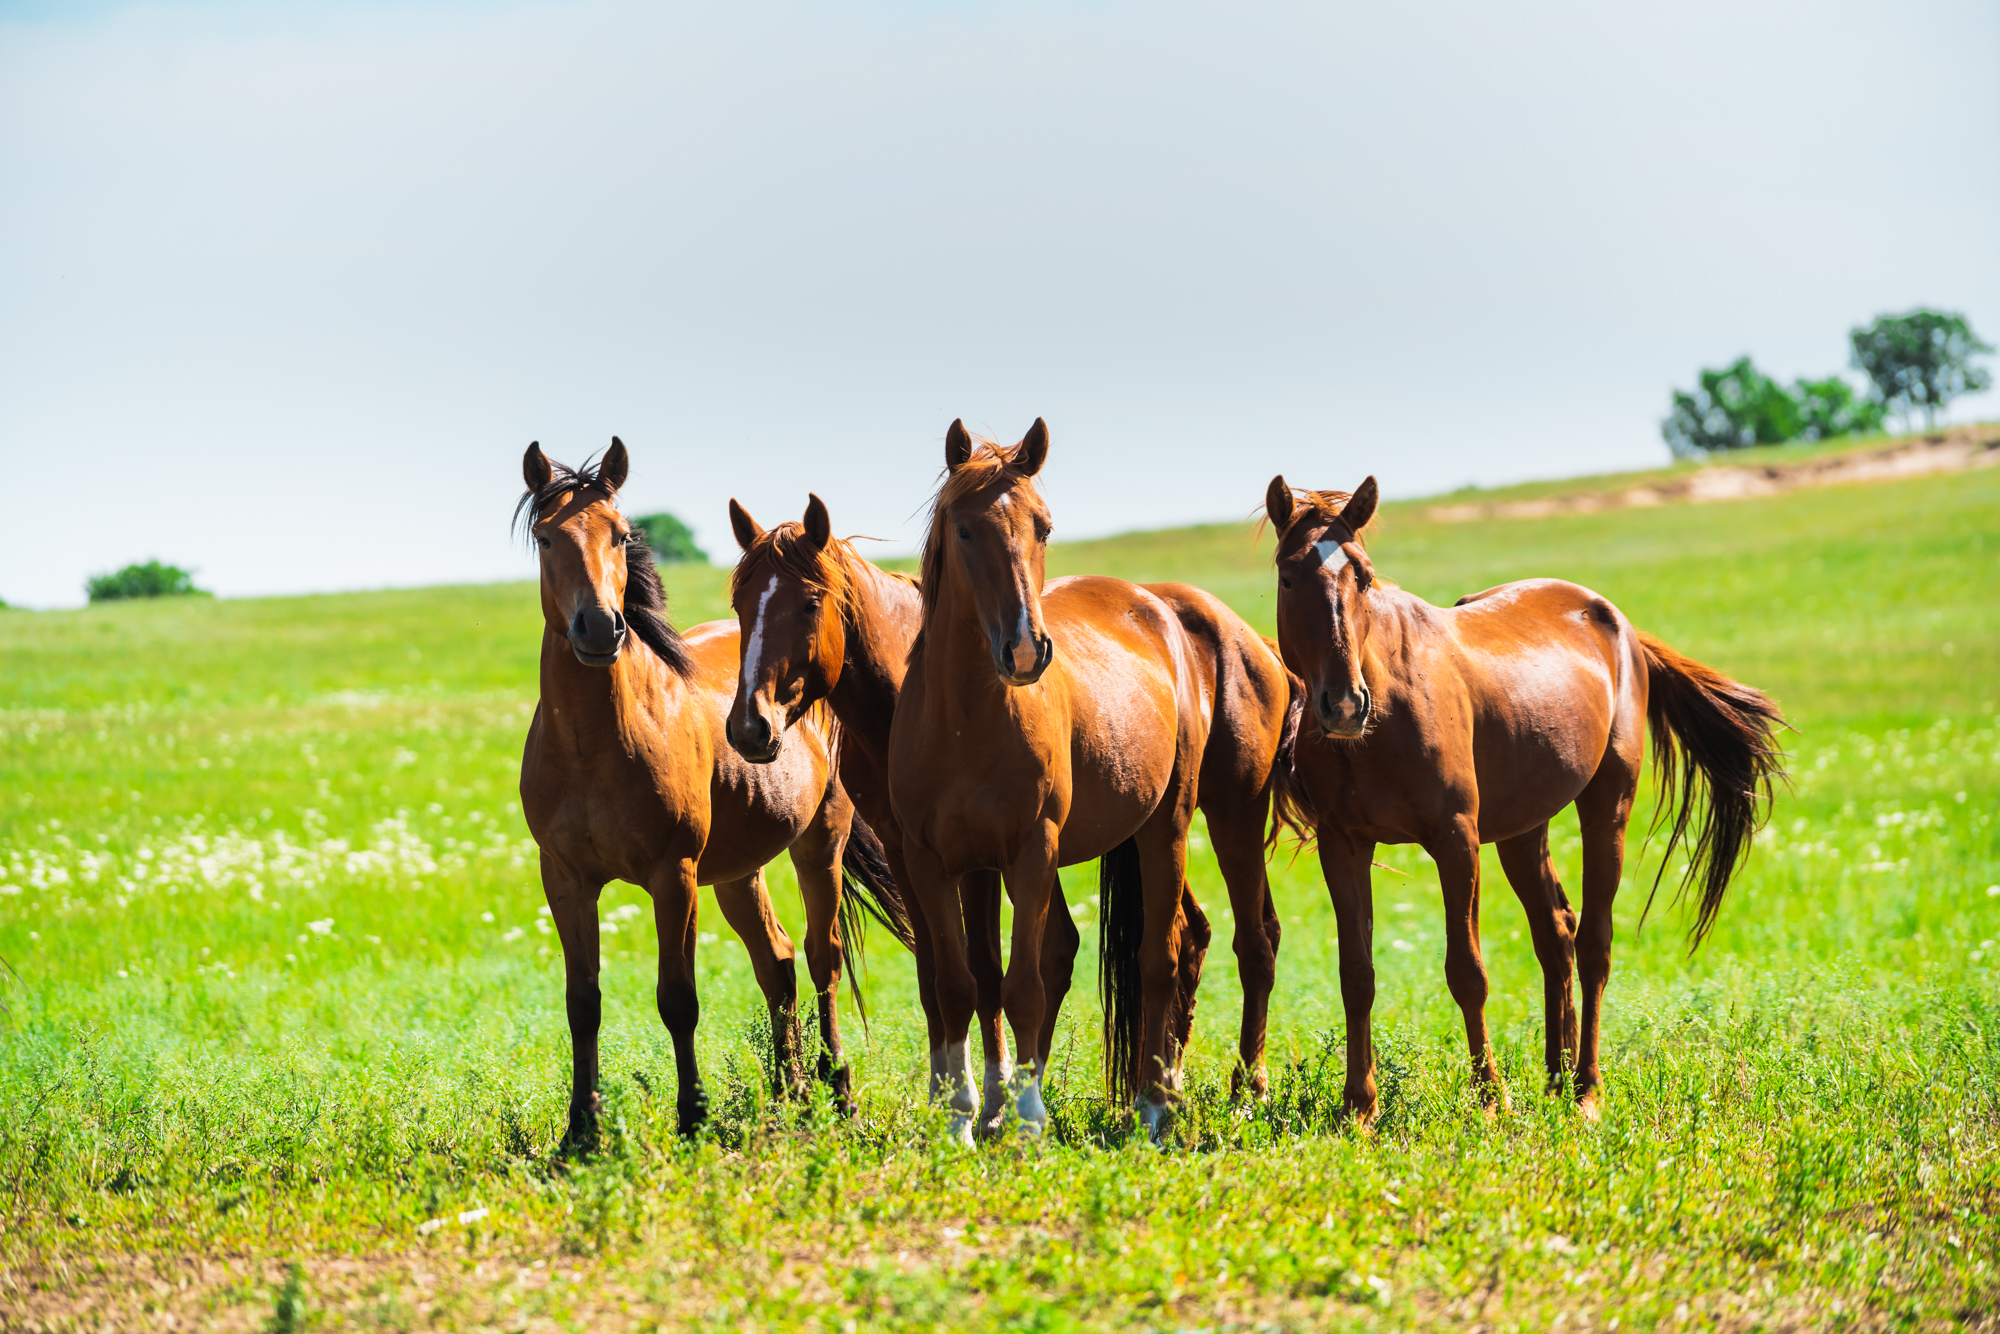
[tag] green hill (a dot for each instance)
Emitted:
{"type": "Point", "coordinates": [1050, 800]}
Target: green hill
{"type": "Point", "coordinates": [275, 989]}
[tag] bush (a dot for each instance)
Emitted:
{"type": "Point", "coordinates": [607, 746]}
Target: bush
{"type": "Point", "coordinates": [671, 540]}
{"type": "Point", "coordinates": [1740, 406]}
{"type": "Point", "coordinates": [151, 580]}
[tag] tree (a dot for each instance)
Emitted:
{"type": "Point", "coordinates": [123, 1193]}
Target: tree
{"type": "Point", "coordinates": [1921, 360]}
{"type": "Point", "coordinates": [670, 539]}
{"type": "Point", "coordinates": [1735, 407]}
{"type": "Point", "coordinates": [151, 580]}
{"type": "Point", "coordinates": [1830, 408]}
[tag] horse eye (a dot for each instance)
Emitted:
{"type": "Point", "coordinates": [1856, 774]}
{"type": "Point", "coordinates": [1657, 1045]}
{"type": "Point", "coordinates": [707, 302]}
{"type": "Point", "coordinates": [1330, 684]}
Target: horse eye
{"type": "Point", "coordinates": [1284, 582]}
{"type": "Point", "coordinates": [964, 535]}
{"type": "Point", "coordinates": [542, 542]}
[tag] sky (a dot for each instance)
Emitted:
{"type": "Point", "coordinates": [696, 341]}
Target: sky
{"type": "Point", "coordinates": [286, 289]}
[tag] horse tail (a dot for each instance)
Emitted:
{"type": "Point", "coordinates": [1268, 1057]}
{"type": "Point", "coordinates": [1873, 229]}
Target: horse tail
{"type": "Point", "coordinates": [1711, 733]}
{"type": "Point", "coordinates": [868, 889]}
{"type": "Point", "coordinates": [1121, 925]}
{"type": "Point", "coordinates": [1290, 808]}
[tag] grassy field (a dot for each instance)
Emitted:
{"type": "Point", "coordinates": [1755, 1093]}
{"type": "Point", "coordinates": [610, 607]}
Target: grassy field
{"type": "Point", "coordinates": [283, 1043]}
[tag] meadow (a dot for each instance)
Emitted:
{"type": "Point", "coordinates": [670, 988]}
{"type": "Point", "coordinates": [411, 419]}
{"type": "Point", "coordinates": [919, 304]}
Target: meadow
{"type": "Point", "coordinates": [283, 1042]}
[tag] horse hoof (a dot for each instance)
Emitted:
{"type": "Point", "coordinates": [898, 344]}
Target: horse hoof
{"type": "Point", "coordinates": [960, 1129]}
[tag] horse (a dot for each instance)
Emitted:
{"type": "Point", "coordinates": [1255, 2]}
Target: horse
{"type": "Point", "coordinates": [820, 622]}
{"type": "Point", "coordinates": [1007, 756]}
{"type": "Point", "coordinates": [1477, 723]}
{"type": "Point", "coordinates": [626, 776]}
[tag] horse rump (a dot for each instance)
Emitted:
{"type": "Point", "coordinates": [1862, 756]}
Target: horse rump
{"type": "Point", "coordinates": [1716, 748]}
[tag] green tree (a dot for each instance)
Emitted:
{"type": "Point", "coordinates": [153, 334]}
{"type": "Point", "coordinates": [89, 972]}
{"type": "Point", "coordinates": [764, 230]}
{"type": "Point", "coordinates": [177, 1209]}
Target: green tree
{"type": "Point", "coordinates": [670, 539]}
{"type": "Point", "coordinates": [1735, 407]}
{"type": "Point", "coordinates": [1830, 408]}
{"type": "Point", "coordinates": [151, 580]}
{"type": "Point", "coordinates": [1920, 361]}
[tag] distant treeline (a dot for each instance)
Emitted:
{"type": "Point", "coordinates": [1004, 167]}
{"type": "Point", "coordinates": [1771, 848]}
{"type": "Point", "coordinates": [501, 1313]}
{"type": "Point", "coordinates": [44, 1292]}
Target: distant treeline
{"type": "Point", "coordinates": [1914, 363]}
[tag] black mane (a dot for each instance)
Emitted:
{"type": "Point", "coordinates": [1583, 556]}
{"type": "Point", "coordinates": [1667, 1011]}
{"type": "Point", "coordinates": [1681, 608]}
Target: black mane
{"type": "Point", "coordinates": [645, 608]}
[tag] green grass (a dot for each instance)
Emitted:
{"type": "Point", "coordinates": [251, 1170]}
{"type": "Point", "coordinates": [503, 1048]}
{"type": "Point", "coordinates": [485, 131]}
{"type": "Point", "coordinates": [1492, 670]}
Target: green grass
{"type": "Point", "coordinates": [199, 1088]}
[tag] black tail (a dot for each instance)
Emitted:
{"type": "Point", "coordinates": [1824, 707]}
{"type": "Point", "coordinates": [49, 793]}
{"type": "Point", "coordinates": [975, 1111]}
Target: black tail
{"type": "Point", "coordinates": [868, 890]}
{"type": "Point", "coordinates": [1121, 925]}
{"type": "Point", "coordinates": [1290, 808]}
{"type": "Point", "coordinates": [1711, 733]}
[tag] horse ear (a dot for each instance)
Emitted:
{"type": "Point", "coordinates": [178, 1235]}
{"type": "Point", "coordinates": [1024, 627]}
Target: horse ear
{"type": "Point", "coordinates": [1278, 503]}
{"type": "Point", "coordinates": [746, 529]}
{"type": "Point", "coordinates": [957, 445]}
{"type": "Point", "coordinates": [819, 527]}
{"type": "Point", "coordinates": [536, 470]}
{"type": "Point", "coordinates": [1360, 507]}
{"type": "Point", "coordinates": [617, 463]}
{"type": "Point", "coordinates": [1034, 450]}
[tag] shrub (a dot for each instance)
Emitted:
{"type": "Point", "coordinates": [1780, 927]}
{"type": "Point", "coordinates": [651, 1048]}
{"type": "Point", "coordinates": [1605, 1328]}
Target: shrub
{"type": "Point", "coordinates": [1740, 406]}
{"type": "Point", "coordinates": [150, 580]}
{"type": "Point", "coordinates": [1831, 407]}
{"type": "Point", "coordinates": [670, 539]}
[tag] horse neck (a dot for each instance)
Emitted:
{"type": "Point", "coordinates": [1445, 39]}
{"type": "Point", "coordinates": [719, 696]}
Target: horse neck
{"type": "Point", "coordinates": [1394, 624]}
{"type": "Point", "coordinates": [883, 615]}
{"type": "Point", "coordinates": [600, 706]}
{"type": "Point", "coordinates": [959, 680]}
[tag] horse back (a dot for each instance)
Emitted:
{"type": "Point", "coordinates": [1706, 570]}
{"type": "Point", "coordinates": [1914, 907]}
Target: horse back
{"type": "Point", "coordinates": [1554, 683]}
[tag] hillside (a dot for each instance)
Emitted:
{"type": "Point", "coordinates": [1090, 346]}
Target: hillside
{"type": "Point", "coordinates": [276, 990]}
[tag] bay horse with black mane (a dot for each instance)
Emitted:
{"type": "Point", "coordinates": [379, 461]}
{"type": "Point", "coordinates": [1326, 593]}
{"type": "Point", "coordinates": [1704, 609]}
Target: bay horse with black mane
{"type": "Point", "coordinates": [626, 776]}
{"type": "Point", "coordinates": [1477, 723]}
{"type": "Point", "coordinates": [1041, 725]}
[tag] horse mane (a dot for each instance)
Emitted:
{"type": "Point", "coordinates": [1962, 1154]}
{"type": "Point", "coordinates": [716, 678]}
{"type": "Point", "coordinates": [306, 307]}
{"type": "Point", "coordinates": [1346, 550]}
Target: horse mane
{"type": "Point", "coordinates": [1324, 505]}
{"type": "Point", "coordinates": [645, 606]}
{"type": "Point", "coordinates": [989, 460]}
{"type": "Point", "coordinates": [785, 549]}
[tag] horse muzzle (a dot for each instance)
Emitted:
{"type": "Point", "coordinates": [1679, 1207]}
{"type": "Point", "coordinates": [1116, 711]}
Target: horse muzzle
{"type": "Point", "coordinates": [753, 737]}
{"type": "Point", "coordinates": [597, 636]}
{"type": "Point", "coordinates": [1345, 717]}
{"type": "Point", "coordinates": [1013, 660]}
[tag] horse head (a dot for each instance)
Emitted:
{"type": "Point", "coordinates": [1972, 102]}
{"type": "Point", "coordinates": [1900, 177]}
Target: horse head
{"type": "Point", "coordinates": [1323, 606]}
{"type": "Point", "coordinates": [787, 591]}
{"type": "Point", "coordinates": [988, 543]}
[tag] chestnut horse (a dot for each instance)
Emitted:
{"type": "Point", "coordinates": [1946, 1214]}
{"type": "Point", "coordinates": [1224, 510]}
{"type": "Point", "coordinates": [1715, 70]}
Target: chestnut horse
{"type": "Point", "coordinates": [626, 777]}
{"type": "Point", "coordinates": [819, 623]}
{"type": "Point", "coordinates": [1453, 727]}
{"type": "Point", "coordinates": [1008, 755]}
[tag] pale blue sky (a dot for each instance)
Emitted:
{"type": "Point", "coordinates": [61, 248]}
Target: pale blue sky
{"type": "Point", "coordinates": [286, 289]}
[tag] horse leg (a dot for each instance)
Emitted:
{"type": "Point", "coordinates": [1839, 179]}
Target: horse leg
{"type": "Point", "coordinates": [1060, 942]}
{"type": "Point", "coordinates": [920, 944]}
{"type": "Point", "coordinates": [1162, 877]}
{"type": "Point", "coordinates": [573, 904]}
{"type": "Point", "coordinates": [1602, 809]}
{"type": "Point", "coordinates": [816, 858]}
{"type": "Point", "coordinates": [676, 901]}
{"type": "Point", "coordinates": [1195, 935]}
{"type": "Point", "coordinates": [746, 906]}
{"type": "Point", "coordinates": [1552, 924]}
{"type": "Point", "coordinates": [1239, 851]}
{"type": "Point", "coordinates": [979, 895]}
{"type": "Point", "coordinates": [1345, 862]}
{"type": "Point", "coordinates": [1030, 883]}
{"type": "Point", "coordinates": [1456, 853]}
{"type": "Point", "coordinates": [956, 991]}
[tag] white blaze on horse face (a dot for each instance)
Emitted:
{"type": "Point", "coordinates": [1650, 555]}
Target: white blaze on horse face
{"type": "Point", "coordinates": [753, 656]}
{"type": "Point", "coordinates": [1331, 557]}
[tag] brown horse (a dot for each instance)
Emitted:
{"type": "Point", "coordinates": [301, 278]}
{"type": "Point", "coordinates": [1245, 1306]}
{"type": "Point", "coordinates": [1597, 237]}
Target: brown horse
{"type": "Point", "coordinates": [819, 623]}
{"type": "Point", "coordinates": [1006, 755]}
{"type": "Point", "coordinates": [1449, 728]}
{"type": "Point", "coordinates": [626, 777]}
{"type": "Point", "coordinates": [825, 624]}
